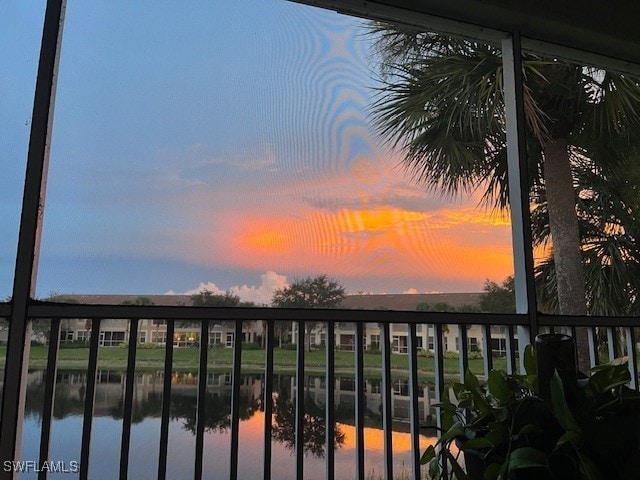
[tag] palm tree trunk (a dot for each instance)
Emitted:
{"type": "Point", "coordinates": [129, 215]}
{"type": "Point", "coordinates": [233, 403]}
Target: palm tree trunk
{"type": "Point", "coordinates": [563, 224]}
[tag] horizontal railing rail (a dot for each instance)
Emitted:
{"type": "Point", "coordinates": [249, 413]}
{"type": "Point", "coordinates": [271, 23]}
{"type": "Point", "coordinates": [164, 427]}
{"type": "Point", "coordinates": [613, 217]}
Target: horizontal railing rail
{"type": "Point", "coordinates": [158, 312]}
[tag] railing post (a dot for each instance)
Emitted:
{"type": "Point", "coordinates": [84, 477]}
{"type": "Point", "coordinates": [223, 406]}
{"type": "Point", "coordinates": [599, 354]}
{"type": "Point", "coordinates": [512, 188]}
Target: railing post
{"type": "Point", "coordinates": [14, 391]}
{"type": "Point", "coordinates": [593, 346]}
{"type": "Point", "coordinates": [632, 356]}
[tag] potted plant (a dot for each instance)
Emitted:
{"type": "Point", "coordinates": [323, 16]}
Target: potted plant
{"type": "Point", "coordinates": [503, 428]}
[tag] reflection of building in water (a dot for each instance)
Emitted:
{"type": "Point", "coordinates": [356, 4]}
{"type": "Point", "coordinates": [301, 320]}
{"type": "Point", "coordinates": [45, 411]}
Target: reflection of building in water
{"type": "Point", "coordinates": [221, 333]}
{"type": "Point", "coordinates": [110, 387]}
{"type": "Point", "coordinates": [345, 396]}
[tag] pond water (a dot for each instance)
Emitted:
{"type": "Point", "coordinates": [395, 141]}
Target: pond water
{"type": "Point", "coordinates": [145, 431]}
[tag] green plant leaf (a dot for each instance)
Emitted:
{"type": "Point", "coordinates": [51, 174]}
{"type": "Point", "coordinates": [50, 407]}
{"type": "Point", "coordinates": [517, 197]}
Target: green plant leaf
{"type": "Point", "coordinates": [492, 472]}
{"type": "Point", "coordinates": [527, 457]}
{"type": "Point", "coordinates": [480, 403]}
{"type": "Point", "coordinates": [497, 435]}
{"type": "Point", "coordinates": [588, 470]}
{"type": "Point", "coordinates": [445, 406]}
{"type": "Point", "coordinates": [470, 380]}
{"type": "Point", "coordinates": [559, 404]}
{"type": "Point", "coordinates": [447, 419]}
{"type": "Point", "coordinates": [455, 467]}
{"type": "Point", "coordinates": [529, 428]}
{"type": "Point", "coordinates": [477, 443]}
{"type": "Point", "coordinates": [606, 377]}
{"type": "Point", "coordinates": [530, 361]}
{"type": "Point", "coordinates": [566, 438]}
{"type": "Point", "coordinates": [434, 469]}
{"type": "Point", "coordinates": [498, 386]}
{"type": "Point", "coordinates": [455, 431]}
{"type": "Point", "coordinates": [428, 455]}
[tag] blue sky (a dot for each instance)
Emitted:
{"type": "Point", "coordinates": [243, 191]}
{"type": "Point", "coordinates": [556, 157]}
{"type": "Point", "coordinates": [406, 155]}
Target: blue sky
{"type": "Point", "coordinates": [224, 145]}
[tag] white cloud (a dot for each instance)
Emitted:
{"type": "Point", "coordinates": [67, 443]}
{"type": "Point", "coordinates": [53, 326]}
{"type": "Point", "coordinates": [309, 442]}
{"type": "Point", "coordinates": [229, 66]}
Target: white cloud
{"type": "Point", "coordinates": [208, 286]}
{"type": "Point", "coordinates": [261, 294]}
{"type": "Point", "coordinates": [270, 282]}
{"type": "Point", "coordinates": [411, 291]}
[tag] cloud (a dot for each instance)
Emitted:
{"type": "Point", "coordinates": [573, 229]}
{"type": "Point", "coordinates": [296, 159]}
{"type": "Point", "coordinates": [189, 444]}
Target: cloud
{"type": "Point", "coordinates": [411, 291]}
{"type": "Point", "coordinates": [202, 287]}
{"type": "Point", "coordinates": [201, 155]}
{"type": "Point", "coordinates": [260, 294]}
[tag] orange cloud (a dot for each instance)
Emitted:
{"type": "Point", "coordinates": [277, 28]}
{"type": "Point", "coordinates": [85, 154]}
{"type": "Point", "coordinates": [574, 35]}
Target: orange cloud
{"type": "Point", "coordinates": [381, 241]}
{"type": "Point", "coordinates": [360, 221]}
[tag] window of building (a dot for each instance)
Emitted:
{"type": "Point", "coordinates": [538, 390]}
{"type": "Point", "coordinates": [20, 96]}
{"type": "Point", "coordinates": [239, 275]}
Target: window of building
{"type": "Point", "coordinates": [499, 346]}
{"type": "Point", "coordinates": [83, 335]}
{"type": "Point", "coordinates": [159, 338]}
{"type": "Point", "coordinates": [399, 344]}
{"type": "Point", "coordinates": [215, 338]}
{"type": "Point", "coordinates": [66, 336]}
{"type": "Point", "coordinates": [400, 387]}
{"type": "Point", "coordinates": [111, 338]}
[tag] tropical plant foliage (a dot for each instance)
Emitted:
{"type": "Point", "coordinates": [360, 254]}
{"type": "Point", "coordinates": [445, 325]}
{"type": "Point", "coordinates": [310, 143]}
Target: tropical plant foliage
{"type": "Point", "coordinates": [499, 298]}
{"type": "Point", "coordinates": [441, 104]}
{"type": "Point", "coordinates": [513, 433]}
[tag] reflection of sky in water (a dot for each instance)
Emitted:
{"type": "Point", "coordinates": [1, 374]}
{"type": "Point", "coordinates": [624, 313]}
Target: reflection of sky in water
{"type": "Point", "coordinates": [105, 450]}
{"type": "Point", "coordinates": [143, 460]}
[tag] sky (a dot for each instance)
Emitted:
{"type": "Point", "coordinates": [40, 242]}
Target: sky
{"type": "Point", "coordinates": [226, 146]}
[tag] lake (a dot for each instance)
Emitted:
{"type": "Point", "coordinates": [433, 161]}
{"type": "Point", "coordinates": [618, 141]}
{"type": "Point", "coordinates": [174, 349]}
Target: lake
{"type": "Point", "coordinates": [145, 430]}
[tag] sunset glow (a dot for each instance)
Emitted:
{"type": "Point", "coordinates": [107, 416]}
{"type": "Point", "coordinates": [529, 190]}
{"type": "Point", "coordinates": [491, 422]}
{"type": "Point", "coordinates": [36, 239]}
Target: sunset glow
{"type": "Point", "coordinates": [258, 158]}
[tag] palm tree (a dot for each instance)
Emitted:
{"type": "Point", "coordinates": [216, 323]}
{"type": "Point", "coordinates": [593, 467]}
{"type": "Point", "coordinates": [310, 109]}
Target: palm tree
{"type": "Point", "coordinates": [442, 106]}
{"type": "Point", "coordinates": [609, 226]}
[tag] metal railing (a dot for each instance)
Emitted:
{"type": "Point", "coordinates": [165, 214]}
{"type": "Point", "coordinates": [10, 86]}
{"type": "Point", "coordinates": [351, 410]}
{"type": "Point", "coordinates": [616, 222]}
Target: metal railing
{"type": "Point", "coordinates": [608, 338]}
{"type": "Point", "coordinates": [204, 316]}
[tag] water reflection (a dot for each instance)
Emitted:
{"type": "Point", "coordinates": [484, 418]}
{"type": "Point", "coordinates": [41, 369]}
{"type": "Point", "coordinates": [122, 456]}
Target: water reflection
{"type": "Point", "coordinates": [147, 407]}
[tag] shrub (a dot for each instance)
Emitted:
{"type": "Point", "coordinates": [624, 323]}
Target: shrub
{"type": "Point", "coordinates": [288, 346]}
{"type": "Point", "coordinates": [75, 344]}
{"type": "Point", "coordinates": [251, 346]}
{"type": "Point", "coordinates": [451, 355]}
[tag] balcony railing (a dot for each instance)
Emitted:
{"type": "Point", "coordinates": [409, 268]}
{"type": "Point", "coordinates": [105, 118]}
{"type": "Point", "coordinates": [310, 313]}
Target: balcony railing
{"type": "Point", "coordinates": [609, 330]}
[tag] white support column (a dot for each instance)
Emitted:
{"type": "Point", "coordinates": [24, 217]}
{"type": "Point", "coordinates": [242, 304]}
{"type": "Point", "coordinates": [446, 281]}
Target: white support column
{"type": "Point", "coordinates": [518, 190]}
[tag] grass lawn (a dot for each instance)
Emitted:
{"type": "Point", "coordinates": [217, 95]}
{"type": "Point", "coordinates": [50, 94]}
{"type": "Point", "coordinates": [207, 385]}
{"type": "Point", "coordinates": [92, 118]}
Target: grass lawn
{"type": "Point", "coordinates": [222, 358]}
